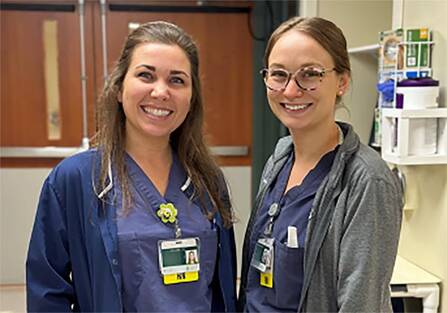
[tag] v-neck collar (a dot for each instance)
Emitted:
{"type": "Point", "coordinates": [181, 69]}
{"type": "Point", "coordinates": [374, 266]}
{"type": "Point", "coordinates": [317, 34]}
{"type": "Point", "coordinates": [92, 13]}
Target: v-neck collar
{"type": "Point", "coordinates": [144, 185]}
{"type": "Point", "coordinates": [312, 177]}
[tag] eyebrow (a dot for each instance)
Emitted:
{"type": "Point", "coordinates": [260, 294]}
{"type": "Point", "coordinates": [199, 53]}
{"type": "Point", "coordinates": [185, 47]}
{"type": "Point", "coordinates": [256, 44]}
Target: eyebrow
{"type": "Point", "coordinates": [301, 66]}
{"type": "Point", "coordinates": [154, 69]}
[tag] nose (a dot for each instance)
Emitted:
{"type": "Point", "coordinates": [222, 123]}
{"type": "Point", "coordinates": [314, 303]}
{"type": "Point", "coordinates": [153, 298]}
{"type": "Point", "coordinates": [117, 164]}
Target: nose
{"type": "Point", "coordinates": [160, 91]}
{"type": "Point", "coordinates": [292, 90]}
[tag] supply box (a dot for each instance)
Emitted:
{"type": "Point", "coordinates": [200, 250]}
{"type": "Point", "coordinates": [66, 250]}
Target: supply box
{"type": "Point", "coordinates": [405, 49]}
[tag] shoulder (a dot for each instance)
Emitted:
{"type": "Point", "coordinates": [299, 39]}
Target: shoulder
{"type": "Point", "coordinates": [367, 164]}
{"type": "Point", "coordinates": [282, 149]}
{"type": "Point", "coordinates": [70, 184]}
{"type": "Point", "coordinates": [362, 163]}
{"type": "Point", "coordinates": [75, 167]}
{"type": "Point", "coordinates": [366, 175]}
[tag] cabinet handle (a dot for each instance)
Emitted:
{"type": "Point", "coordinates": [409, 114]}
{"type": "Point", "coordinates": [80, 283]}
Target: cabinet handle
{"type": "Point", "coordinates": [62, 152]}
{"type": "Point", "coordinates": [83, 70]}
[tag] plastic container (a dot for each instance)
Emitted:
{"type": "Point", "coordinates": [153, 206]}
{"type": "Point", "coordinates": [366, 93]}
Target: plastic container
{"type": "Point", "coordinates": [422, 136]}
{"type": "Point", "coordinates": [442, 136]}
{"type": "Point", "coordinates": [421, 93]}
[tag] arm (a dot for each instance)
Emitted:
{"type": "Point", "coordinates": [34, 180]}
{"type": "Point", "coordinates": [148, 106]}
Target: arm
{"type": "Point", "coordinates": [48, 284]}
{"type": "Point", "coordinates": [368, 246]}
{"type": "Point", "coordinates": [224, 281]}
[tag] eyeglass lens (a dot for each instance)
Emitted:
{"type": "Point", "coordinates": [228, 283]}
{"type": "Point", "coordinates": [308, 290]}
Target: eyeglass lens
{"type": "Point", "coordinates": [307, 78]}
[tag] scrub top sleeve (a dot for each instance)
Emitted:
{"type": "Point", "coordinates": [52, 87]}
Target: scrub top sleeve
{"type": "Point", "coordinates": [368, 247]}
{"type": "Point", "coordinates": [48, 284]}
{"type": "Point", "coordinates": [230, 231]}
{"type": "Point", "coordinates": [224, 282]}
{"type": "Point", "coordinates": [233, 254]}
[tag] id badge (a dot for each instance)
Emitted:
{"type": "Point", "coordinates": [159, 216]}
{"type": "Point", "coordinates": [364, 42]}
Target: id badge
{"type": "Point", "coordinates": [179, 260]}
{"type": "Point", "coordinates": [262, 260]}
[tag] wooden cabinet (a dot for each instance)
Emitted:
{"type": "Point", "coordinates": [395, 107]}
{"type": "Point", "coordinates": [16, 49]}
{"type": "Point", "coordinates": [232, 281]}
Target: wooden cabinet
{"type": "Point", "coordinates": [41, 78]}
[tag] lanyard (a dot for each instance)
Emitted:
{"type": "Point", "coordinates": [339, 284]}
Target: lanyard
{"type": "Point", "coordinates": [273, 213]}
{"type": "Point", "coordinates": [274, 208]}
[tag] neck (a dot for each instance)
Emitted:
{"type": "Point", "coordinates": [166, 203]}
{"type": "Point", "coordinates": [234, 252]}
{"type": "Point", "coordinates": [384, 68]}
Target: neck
{"type": "Point", "coordinates": [152, 151]}
{"type": "Point", "coordinates": [154, 157]}
{"type": "Point", "coordinates": [311, 144]}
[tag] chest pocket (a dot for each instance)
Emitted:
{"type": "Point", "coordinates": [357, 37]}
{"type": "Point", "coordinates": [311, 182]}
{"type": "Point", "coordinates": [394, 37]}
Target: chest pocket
{"type": "Point", "coordinates": [131, 261]}
{"type": "Point", "coordinates": [288, 277]}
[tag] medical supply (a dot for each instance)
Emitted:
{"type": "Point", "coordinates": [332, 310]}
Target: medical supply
{"type": "Point", "coordinates": [292, 237]}
{"type": "Point", "coordinates": [416, 51]}
{"type": "Point", "coordinates": [419, 93]}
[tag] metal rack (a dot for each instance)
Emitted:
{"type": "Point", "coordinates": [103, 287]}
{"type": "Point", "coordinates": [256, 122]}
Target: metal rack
{"type": "Point", "coordinates": [397, 74]}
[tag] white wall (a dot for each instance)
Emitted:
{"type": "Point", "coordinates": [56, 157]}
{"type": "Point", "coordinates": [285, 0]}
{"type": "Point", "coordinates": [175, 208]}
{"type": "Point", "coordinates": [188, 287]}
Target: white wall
{"type": "Point", "coordinates": [361, 21]}
{"type": "Point", "coordinates": [424, 229]}
{"type": "Point", "coordinates": [239, 179]}
{"type": "Point", "coordinates": [19, 193]}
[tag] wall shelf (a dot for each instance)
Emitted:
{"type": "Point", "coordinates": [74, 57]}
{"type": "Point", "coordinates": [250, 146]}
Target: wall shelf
{"type": "Point", "coordinates": [399, 133]}
{"type": "Point", "coordinates": [372, 49]}
{"type": "Point", "coordinates": [414, 159]}
{"type": "Point", "coordinates": [422, 113]}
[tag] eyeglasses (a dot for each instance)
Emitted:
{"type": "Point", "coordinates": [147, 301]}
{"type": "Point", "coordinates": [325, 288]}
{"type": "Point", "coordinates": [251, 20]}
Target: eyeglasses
{"type": "Point", "coordinates": [307, 78]}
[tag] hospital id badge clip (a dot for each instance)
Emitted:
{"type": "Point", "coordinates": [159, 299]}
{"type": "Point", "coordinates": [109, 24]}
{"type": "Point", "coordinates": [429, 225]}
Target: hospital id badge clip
{"type": "Point", "coordinates": [178, 260]}
{"type": "Point", "coordinates": [262, 260]}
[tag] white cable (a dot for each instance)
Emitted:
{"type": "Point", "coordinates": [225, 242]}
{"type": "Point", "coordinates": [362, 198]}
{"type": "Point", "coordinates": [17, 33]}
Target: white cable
{"type": "Point", "coordinates": [186, 184]}
{"type": "Point", "coordinates": [110, 184]}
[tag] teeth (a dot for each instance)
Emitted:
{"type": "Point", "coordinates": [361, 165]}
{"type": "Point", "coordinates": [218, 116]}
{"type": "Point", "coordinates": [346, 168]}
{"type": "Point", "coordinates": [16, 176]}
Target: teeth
{"type": "Point", "coordinates": [296, 107]}
{"type": "Point", "coordinates": [156, 112]}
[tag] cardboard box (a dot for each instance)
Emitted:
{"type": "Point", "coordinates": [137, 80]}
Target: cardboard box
{"type": "Point", "coordinates": [391, 52]}
{"type": "Point", "coordinates": [414, 57]}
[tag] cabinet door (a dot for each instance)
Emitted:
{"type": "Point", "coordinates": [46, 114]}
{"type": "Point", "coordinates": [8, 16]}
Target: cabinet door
{"type": "Point", "coordinates": [41, 98]}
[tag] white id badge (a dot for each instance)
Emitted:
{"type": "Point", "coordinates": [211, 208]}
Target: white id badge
{"type": "Point", "coordinates": [263, 255]}
{"type": "Point", "coordinates": [179, 255]}
{"type": "Point", "coordinates": [179, 260]}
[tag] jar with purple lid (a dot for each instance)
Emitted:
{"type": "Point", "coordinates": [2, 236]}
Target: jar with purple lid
{"type": "Point", "coordinates": [417, 93]}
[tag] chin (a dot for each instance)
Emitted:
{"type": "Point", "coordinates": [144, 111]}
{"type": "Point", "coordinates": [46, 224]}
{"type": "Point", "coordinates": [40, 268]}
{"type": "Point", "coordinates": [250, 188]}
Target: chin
{"type": "Point", "coordinates": [157, 133]}
{"type": "Point", "coordinates": [295, 123]}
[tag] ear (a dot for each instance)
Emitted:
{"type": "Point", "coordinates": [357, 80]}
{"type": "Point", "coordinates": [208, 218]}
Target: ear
{"type": "Point", "coordinates": [119, 97]}
{"type": "Point", "coordinates": [343, 83]}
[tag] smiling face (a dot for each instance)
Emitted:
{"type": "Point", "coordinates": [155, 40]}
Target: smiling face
{"type": "Point", "coordinates": [156, 92]}
{"type": "Point", "coordinates": [296, 108]}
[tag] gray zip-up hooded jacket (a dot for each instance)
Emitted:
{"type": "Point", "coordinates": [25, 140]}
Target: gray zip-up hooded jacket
{"type": "Point", "coordinates": [353, 230]}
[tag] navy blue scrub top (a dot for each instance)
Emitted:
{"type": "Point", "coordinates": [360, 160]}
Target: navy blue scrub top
{"type": "Point", "coordinates": [295, 208]}
{"type": "Point", "coordinates": [138, 235]}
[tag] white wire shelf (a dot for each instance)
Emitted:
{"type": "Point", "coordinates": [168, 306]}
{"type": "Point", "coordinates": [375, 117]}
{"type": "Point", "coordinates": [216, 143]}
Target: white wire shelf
{"type": "Point", "coordinates": [373, 49]}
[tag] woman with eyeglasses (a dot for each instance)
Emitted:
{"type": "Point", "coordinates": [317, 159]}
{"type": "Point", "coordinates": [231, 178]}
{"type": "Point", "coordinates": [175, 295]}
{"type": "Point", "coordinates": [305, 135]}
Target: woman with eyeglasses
{"type": "Point", "coordinates": [328, 211]}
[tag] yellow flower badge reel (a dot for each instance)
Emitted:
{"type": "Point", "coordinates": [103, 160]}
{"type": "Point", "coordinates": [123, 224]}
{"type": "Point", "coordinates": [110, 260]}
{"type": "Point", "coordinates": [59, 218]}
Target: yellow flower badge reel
{"type": "Point", "coordinates": [167, 213]}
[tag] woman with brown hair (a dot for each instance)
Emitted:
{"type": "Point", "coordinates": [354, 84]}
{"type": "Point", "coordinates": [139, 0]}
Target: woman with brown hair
{"type": "Point", "coordinates": [114, 223]}
{"type": "Point", "coordinates": [328, 209]}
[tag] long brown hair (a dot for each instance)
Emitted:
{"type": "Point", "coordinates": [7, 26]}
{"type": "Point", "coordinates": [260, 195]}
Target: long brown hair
{"type": "Point", "coordinates": [187, 140]}
{"type": "Point", "coordinates": [326, 33]}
